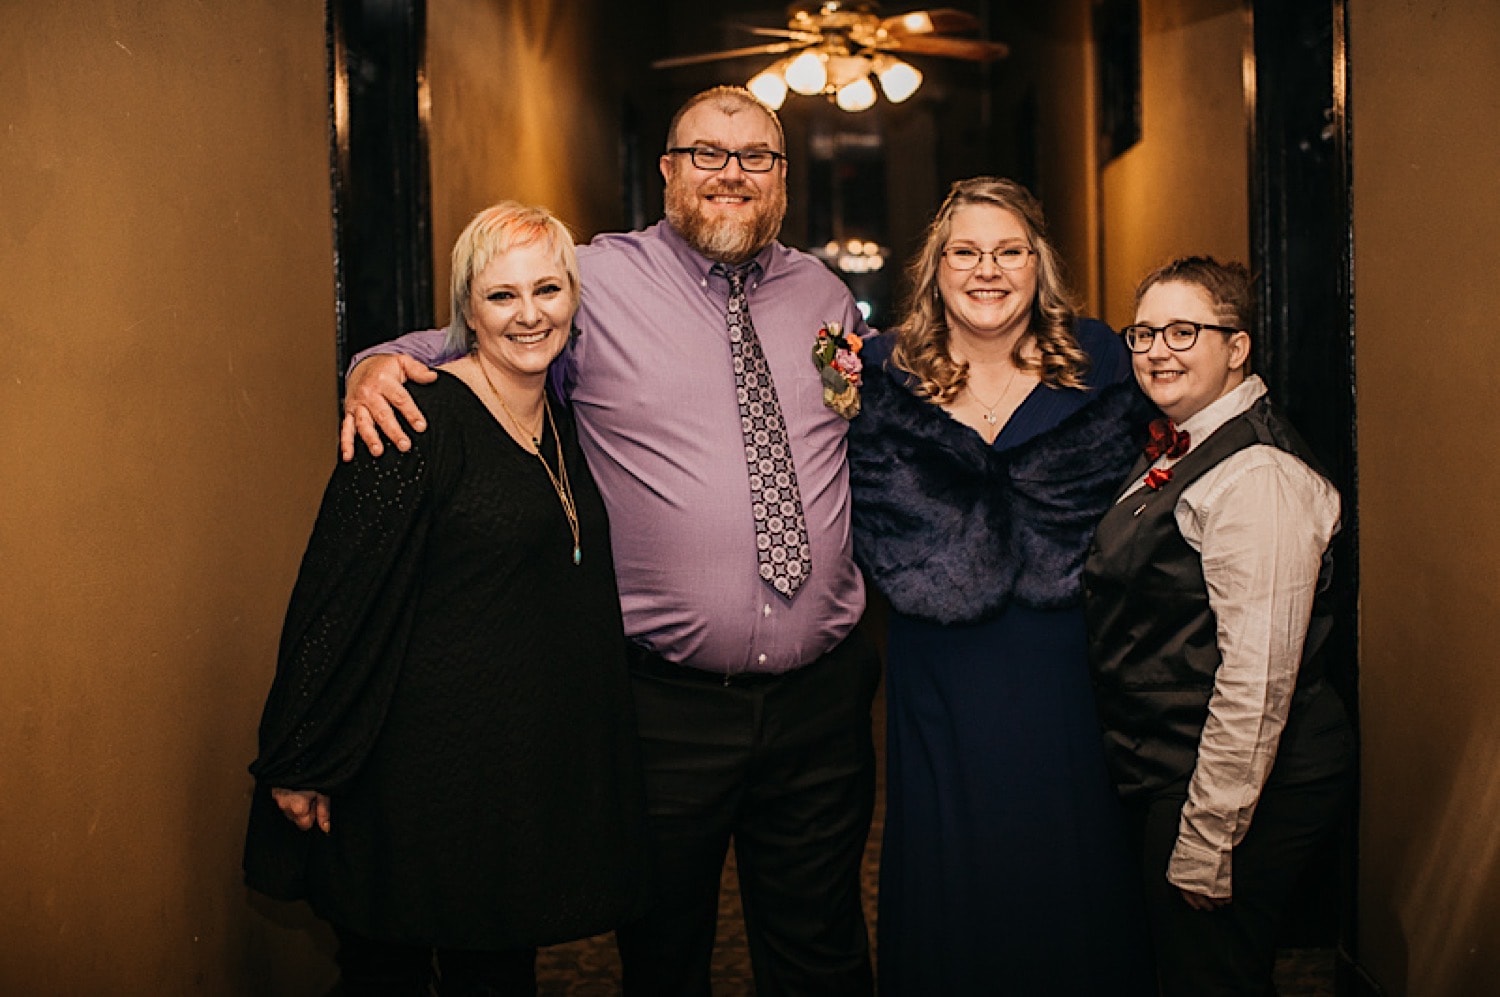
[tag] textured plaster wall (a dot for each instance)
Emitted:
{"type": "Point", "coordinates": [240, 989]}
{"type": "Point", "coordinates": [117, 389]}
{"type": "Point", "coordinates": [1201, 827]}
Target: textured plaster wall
{"type": "Point", "coordinates": [167, 410]}
{"type": "Point", "coordinates": [1183, 189]}
{"type": "Point", "coordinates": [1425, 93]}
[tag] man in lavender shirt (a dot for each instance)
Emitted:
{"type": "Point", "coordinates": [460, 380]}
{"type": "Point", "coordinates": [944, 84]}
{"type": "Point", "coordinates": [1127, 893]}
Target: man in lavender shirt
{"type": "Point", "coordinates": [754, 709]}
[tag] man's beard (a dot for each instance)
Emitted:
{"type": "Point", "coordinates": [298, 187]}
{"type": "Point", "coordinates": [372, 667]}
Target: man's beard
{"type": "Point", "coordinates": [724, 241]}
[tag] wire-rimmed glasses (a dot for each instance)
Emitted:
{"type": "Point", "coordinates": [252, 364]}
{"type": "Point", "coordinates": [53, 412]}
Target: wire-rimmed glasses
{"type": "Point", "coordinates": [965, 258]}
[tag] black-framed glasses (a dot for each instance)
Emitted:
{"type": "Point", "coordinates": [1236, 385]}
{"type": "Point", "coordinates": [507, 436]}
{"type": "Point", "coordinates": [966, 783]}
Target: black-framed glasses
{"type": "Point", "coordinates": [1178, 336]}
{"type": "Point", "coordinates": [706, 157]}
{"type": "Point", "coordinates": [963, 258]}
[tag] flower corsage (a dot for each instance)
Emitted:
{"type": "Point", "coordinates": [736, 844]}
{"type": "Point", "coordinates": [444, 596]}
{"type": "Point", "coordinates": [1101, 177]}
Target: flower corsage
{"type": "Point", "coordinates": [836, 355]}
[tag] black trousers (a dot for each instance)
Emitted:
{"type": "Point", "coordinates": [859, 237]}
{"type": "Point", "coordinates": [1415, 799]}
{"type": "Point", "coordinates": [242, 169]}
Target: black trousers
{"type": "Point", "coordinates": [370, 967]}
{"type": "Point", "coordinates": [1231, 951]}
{"type": "Point", "coordinates": [784, 766]}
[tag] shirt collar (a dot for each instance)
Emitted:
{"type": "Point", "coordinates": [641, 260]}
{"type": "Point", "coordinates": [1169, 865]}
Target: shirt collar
{"type": "Point", "coordinates": [699, 265]}
{"type": "Point", "coordinates": [1203, 424]}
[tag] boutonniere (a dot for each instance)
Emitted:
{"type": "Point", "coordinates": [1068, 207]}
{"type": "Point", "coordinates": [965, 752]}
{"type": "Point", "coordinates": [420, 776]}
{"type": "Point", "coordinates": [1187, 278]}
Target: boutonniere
{"type": "Point", "coordinates": [836, 355]}
{"type": "Point", "coordinates": [1158, 476]}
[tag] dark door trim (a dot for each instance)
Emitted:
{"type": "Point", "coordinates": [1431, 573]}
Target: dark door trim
{"type": "Point", "coordinates": [1302, 256]}
{"type": "Point", "coordinates": [382, 210]}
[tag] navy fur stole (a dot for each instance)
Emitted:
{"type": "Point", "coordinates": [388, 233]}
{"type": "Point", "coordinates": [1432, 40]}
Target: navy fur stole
{"type": "Point", "coordinates": [953, 531]}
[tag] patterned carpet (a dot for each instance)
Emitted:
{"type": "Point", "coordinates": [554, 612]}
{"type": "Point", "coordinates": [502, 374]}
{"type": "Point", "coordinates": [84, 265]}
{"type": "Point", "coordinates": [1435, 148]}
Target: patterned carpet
{"type": "Point", "coordinates": [591, 968]}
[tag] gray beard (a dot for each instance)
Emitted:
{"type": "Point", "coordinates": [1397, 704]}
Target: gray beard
{"type": "Point", "coordinates": [723, 242]}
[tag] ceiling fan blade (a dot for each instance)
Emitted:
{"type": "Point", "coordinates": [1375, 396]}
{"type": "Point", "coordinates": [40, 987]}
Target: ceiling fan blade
{"type": "Point", "coordinates": [774, 48]}
{"type": "Point", "coordinates": [950, 48]}
{"type": "Point", "coordinates": [942, 21]}
{"type": "Point", "coordinates": [808, 37]}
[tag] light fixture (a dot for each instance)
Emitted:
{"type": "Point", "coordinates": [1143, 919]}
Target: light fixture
{"type": "Point", "coordinates": [856, 96]}
{"type": "Point", "coordinates": [841, 77]}
{"type": "Point", "coordinates": [769, 86]}
{"type": "Point", "coordinates": [918, 22]}
{"type": "Point", "coordinates": [807, 74]}
{"type": "Point", "coordinates": [845, 69]}
{"type": "Point", "coordinates": [898, 80]}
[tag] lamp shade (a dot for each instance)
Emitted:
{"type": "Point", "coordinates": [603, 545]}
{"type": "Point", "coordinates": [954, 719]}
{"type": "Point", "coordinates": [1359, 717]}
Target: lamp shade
{"type": "Point", "coordinates": [899, 80]}
{"type": "Point", "coordinates": [856, 96]}
{"type": "Point", "coordinates": [807, 74]}
{"type": "Point", "coordinates": [769, 87]}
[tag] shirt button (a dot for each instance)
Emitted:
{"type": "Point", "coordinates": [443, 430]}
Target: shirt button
{"type": "Point", "coordinates": [761, 659]}
{"type": "Point", "coordinates": [766, 610]}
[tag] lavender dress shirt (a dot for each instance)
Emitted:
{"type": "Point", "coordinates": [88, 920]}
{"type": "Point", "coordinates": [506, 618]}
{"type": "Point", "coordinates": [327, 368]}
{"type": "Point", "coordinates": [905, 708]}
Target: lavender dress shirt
{"type": "Point", "coordinates": [653, 392]}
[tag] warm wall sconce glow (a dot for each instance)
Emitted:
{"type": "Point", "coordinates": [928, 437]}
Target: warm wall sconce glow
{"type": "Point", "coordinates": [856, 96]}
{"type": "Point", "coordinates": [898, 80]}
{"type": "Point", "coordinates": [769, 87]}
{"type": "Point", "coordinates": [807, 74]}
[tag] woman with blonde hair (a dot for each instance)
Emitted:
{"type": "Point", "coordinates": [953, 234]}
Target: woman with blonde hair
{"type": "Point", "coordinates": [995, 429]}
{"type": "Point", "coordinates": [448, 762]}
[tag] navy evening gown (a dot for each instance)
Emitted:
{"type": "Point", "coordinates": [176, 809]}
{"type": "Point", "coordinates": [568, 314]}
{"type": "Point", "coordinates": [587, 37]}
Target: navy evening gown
{"type": "Point", "coordinates": [1004, 868]}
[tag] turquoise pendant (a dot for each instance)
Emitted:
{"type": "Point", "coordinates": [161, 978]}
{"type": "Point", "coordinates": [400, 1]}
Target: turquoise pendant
{"type": "Point", "coordinates": [577, 555]}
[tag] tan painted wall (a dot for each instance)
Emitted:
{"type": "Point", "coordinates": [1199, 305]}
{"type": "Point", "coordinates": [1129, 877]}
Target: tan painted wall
{"type": "Point", "coordinates": [525, 106]}
{"type": "Point", "coordinates": [1184, 187]}
{"type": "Point", "coordinates": [168, 413]}
{"type": "Point", "coordinates": [1425, 94]}
{"type": "Point", "coordinates": [167, 409]}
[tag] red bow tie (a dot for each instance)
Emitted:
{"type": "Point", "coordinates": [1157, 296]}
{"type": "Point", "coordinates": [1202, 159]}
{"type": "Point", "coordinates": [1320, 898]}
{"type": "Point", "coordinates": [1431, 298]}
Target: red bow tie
{"type": "Point", "coordinates": [1166, 440]}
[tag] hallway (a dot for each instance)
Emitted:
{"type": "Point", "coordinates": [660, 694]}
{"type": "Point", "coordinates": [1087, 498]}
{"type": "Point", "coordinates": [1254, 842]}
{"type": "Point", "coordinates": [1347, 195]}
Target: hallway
{"type": "Point", "coordinates": [170, 317]}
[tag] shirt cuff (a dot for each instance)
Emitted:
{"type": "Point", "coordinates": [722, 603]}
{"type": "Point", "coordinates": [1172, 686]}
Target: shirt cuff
{"type": "Point", "coordinates": [1201, 869]}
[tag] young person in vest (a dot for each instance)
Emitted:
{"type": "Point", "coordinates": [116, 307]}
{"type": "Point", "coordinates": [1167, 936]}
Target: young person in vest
{"type": "Point", "coordinates": [1233, 755]}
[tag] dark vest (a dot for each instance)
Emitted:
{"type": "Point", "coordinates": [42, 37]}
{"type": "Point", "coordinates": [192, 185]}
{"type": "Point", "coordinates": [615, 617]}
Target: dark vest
{"type": "Point", "coordinates": [1152, 635]}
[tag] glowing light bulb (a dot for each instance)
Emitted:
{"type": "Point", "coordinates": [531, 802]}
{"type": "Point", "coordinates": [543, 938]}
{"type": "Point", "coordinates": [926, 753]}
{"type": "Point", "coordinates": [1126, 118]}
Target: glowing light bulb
{"type": "Point", "coordinates": [856, 96]}
{"type": "Point", "coordinates": [918, 22]}
{"type": "Point", "coordinates": [769, 87]}
{"type": "Point", "coordinates": [899, 80]}
{"type": "Point", "coordinates": [806, 74]}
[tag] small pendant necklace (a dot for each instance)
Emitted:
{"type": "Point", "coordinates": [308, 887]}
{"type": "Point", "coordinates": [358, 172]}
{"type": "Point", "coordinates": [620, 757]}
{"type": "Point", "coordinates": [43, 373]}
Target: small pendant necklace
{"type": "Point", "coordinates": [560, 483]}
{"type": "Point", "coordinates": [989, 410]}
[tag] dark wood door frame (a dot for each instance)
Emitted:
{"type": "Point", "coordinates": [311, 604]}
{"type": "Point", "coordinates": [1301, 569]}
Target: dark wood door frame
{"type": "Point", "coordinates": [1302, 255]}
{"type": "Point", "coordinates": [382, 211]}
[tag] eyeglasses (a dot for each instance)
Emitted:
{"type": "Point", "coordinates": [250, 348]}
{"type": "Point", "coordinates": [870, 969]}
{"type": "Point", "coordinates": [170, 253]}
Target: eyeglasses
{"type": "Point", "coordinates": [1178, 336]}
{"type": "Point", "coordinates": [964, 258]}
{"type": "Point", "coordinates": [751, 160]}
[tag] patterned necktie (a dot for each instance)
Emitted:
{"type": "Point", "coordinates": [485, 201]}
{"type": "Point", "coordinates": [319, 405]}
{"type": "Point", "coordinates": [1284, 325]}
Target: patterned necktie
{"type": "Point", "coordinates": [781, 545]}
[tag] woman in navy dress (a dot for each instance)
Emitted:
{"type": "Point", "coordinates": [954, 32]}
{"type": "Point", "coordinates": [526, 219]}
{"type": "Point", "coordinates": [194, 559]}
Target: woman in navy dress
{"type": "Point", "coordinates": [996, 426]}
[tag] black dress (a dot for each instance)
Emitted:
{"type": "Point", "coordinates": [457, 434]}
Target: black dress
{"type": "Point", "coordinates": [457, 685]}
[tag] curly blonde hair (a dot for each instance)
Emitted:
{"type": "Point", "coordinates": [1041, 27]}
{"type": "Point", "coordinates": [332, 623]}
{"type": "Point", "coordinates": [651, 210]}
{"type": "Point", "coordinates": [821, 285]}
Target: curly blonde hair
{"type": "Point", "coordinates": [922, 337]}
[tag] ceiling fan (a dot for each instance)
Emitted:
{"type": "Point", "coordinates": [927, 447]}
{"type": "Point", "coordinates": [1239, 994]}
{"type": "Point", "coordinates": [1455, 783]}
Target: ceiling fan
{"type": "Point", "coordinates": [833, 47]}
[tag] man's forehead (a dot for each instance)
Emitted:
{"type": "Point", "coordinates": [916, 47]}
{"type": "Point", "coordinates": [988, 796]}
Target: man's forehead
{"type": "Point", "coordinates": [746, 125]}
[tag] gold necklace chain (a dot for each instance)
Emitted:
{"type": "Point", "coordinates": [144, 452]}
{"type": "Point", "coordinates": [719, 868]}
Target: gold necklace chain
{"type": "Point", "coordinates": [989, 410]}
{"type": "Point", "coordinates": [560, 483]}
